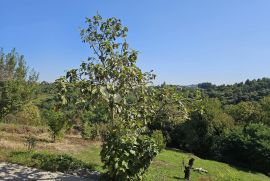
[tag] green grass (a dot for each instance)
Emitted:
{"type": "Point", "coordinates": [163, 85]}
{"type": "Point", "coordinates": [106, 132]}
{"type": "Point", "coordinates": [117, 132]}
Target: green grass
{"type": "Point", "coordinates": [166, 166]}
{"type": "Point", "coordinates": [91, 156]}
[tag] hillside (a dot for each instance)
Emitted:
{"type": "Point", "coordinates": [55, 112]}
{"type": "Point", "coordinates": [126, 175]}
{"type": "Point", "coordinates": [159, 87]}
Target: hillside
{"type": "Point", "coordinates": [166, 166]}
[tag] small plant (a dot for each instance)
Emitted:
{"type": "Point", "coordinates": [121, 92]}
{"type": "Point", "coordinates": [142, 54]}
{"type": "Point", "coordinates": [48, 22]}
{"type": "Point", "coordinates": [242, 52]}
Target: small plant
{"type": "Point", "coordinates": [57, 124]}
{"type": "Point", "coordinates": [30, 142]}
{"type": "Point", "coordinates": [86, 130]}
{"type": "Point", "coordinates": [159, 139]}
{"type": "Point", "coordinates": [89, 131]}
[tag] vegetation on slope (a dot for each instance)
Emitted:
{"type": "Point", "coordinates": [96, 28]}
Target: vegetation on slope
{"type": "Point", "coordinates": [166, 166]}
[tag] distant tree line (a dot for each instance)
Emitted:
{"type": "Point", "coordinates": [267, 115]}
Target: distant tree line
{"type": "Point", "coordinates": [250, 90]}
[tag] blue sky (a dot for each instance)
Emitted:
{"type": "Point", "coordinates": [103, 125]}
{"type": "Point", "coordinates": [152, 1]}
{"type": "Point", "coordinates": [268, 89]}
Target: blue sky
{"type": "Point", "coordinates": [183, 41]}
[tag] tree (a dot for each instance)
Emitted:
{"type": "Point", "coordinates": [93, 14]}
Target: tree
{"type": "Point", "coordinates": [245, 112]}
{"type": "Point", "coordinates": [169, 111]}
{"type": "Point", "coordinates": [250, 90]}
{"type": "Point", "coordinates": [248, 146]}
{"type": "Point", "coordinates": [56, 123]}
{"type": "Point", "coordinates": [206, 123]}
{"type": "Point", "coordinates": [111, 75]}
{"type": "Point", "coordinates": [17, 84]}
{"type": "Point", "coordinates": [265, 104]}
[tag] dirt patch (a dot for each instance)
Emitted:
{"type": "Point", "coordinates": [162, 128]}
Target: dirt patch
{"type": "Point", "coordinates": [70, 143]}
{"type": "Point", "coordinates": [21, 129]}
{"type": "Point", "coordinates": [161, 163]}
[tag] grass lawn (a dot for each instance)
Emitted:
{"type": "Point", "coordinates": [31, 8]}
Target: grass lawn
{"type": "Point", "coordinates": [166, 166]}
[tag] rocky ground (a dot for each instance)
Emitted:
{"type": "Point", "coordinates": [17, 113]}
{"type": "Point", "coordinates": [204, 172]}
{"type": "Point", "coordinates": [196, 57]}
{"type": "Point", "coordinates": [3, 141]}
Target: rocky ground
{"type": "Point", "coordinates": [10, 172]}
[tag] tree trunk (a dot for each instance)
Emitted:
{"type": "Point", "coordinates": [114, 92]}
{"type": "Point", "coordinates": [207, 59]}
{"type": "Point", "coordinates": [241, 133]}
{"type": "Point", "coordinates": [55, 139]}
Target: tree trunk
{"type": "Point", "coordinates": [188, 168]}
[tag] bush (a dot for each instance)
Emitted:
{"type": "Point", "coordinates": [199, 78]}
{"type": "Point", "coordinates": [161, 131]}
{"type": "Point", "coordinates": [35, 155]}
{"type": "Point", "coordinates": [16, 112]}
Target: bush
{"type": "Point", "coordinates": [127, 156]}
{"type": "Point", "coordinates": [29, 115]}
{"type": "Point", "coordinates": [90, 131]}
{"type": "Point", "coordinates": [249, 146]}
{"type": "Point", "coordinates": [48, 161]}
{"type": "Point", "coordinates": [94, 132]}
{"type": "Point", "coordinates": [102, 131]}
{"type": "Point", "coordinates": [30, 142]}
{"type": "Point", "coordinates": [62, 163]}
{"type": "Point", "coordinates": [86, 131]}
{"type": "Point", "coordinates": [57, 124]}
{"type": "Point", "coordinates": [159, 139]}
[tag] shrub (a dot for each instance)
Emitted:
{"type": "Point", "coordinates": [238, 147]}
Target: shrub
{"type": "Point", "coordinates": [102, 131]}
{"type": "Point", "coordinates": [57, 124]}
{"type": "Point", "coordinates": [62, 163]}
{"type": "Point", "coordinates": [127, 156]}
{"type": "Point", "coordinates": [159, 139]}
{"type": "Point", "coordinates": [86, 130]}
{"type": "Point", "coordinates": [90, 131]}
{"type": "Point", "coordinates": [94, 132]}
{"type": "Point", "coordinates": [48, 161]}
{"type": "Point", "coordinates": [29, 115]}
{"type": "Point", "coordinates": [30, 142]}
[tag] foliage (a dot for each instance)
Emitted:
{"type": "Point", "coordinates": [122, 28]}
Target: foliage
{"type": "Point", "coordinates": [17, 83]}
{"type": "Point", "coordinates": [29, 115]}
{"type": "Point", "coordinates": [245, 112]}
{"type": "Point", "coordinates": [198, 134]}
{"type": "Point", "coordinates": [56, 123]}
{"type": "Point", "coordinates": [93, 122]}
{"type": "Point", "coordinates": [86, 131]}
{"type": "Point", "coordinates": [46, 88]}
{"type": "Point", "coordinates": [159, 139]}
{"type": "Point", "coordinates": [127, 156]}
{"type": "Point", "coordinates": [49, 161]}
{"type": "Point", "coordinates": [265, 105]}
{"type": "Point", "coordinates": [111, 76]}
{"type": "Point", "coordinates": [249, 146]}
{"type": "Point", "coordinates": [169, 111]}
{"type": "Point", "coordinates": [250, 90]}
{"type": "Point", "coordinates": [96, 115]}
{"type": "Point", "coordinates": [90, 131]}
